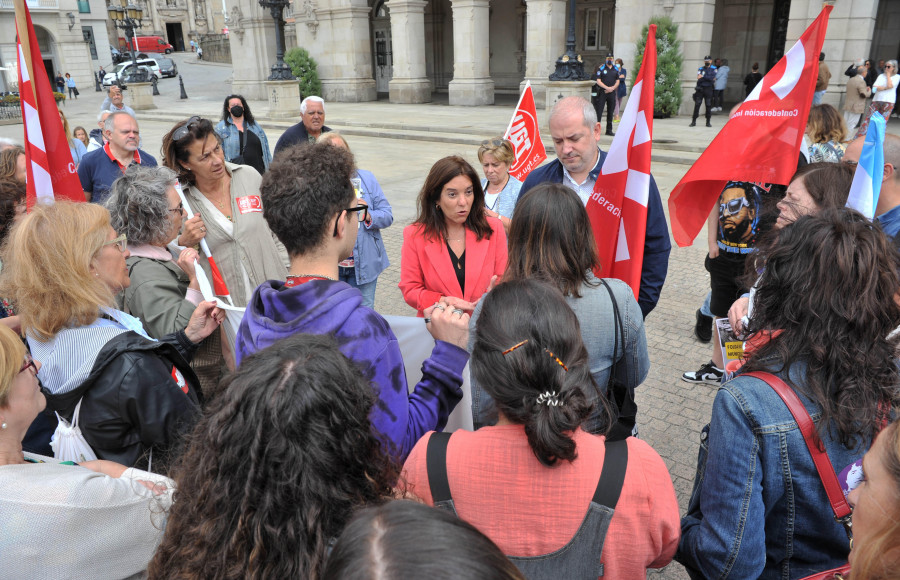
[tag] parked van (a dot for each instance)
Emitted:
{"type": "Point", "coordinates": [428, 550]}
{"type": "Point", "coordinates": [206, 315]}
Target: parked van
{"type": "Point", "coordinates": [148, 44]}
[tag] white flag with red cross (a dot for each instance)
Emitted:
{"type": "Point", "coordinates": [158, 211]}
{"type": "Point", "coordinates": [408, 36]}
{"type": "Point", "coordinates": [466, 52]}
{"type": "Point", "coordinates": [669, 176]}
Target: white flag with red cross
{"type": "Point", "coordinates": [618, 206]}
{"type": "Point", "coordinates": [525, 136]}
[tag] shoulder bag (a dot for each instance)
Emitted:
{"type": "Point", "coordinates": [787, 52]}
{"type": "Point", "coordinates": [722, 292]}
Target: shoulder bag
{"type": "Point", "coordinates": [836, 498]}
{"type": "Point", "coordinates": [620, 397]}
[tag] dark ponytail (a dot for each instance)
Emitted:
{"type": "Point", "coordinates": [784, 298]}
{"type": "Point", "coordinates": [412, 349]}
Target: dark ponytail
{"type": "Point", "coordinates": [529, 355]}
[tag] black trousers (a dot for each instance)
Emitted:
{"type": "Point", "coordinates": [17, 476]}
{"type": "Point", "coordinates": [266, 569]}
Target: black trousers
{"type": "Point", "coordinates": [707, 97]}
{"type": "Point", "coordinates": [718, 98]}
{"type": "Point", "coordinates": [609, 101]}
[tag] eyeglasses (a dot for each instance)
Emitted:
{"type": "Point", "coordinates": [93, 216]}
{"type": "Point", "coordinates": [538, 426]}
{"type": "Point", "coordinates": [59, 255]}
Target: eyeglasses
{"type": "Point", "coordinates": [732, 207]}
{"type": "Point", "coordinates": [29, 362]}
{"type": "Point", "coordinates": [487, 143]}
{"type": "Point", "coordinates": [178, 210]}
{"type": "Point", "coordinates": [362, 215]}
{"type": "Point", "coordinates": [121, 242]}
{"type": "Point", "coordinates": [183, 131]}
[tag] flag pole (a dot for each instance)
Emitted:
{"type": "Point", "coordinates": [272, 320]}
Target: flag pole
{"type": "Point", "coordinates": [24, 41]}
{"type": "Point", "coordinates": [519, 104]}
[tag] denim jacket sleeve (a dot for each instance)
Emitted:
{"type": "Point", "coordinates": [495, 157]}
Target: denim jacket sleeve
{"type": "Point", "coordinates": [379, 208]}
{"type": "Point", "coordinates": [637, 358]}
{"type": "Point", "coordinates": [723, 533]}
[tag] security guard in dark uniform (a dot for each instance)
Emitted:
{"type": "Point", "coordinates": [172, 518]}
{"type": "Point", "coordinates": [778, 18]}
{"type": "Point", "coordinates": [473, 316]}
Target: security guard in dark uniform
{"type": "Point", "coordinates": [606, 77]}
{"type": "Point", "coordinates": [706, 81]}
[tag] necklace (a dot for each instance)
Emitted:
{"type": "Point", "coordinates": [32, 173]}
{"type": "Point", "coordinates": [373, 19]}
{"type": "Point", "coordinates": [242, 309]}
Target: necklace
{"type": "Point", "coordinates": [312, 276]}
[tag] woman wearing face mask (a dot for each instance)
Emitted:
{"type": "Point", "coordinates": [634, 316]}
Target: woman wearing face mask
{"type": "Point", "coordinates": [244, 141]}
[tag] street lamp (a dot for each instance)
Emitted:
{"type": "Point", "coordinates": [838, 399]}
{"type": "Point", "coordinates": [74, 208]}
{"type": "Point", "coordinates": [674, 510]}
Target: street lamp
{"type": "Point", "coordinates": [280, 71]}
{"type": "Point", "coordinates": [569, 66]}
{"type": "Point", "coordinates": [128, 18]}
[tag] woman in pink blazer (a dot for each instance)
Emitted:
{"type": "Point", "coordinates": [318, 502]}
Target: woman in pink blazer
{"type": "Point", "coordinates": [453, 249]}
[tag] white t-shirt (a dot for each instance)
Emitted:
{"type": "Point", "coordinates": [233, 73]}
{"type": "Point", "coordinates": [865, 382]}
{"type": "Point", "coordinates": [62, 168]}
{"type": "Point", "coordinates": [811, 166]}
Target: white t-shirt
{"type": "Point", "coordinates": [886, 95]}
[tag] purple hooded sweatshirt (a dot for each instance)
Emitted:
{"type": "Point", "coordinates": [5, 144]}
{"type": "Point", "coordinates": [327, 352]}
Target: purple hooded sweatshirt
{"type": "Point", "coordinates": [325, 307]}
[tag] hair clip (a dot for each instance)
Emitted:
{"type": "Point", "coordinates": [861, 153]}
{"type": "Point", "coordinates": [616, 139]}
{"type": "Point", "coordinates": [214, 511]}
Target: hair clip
{"type": "Point", "coordinates": [513, 347]}
{"type": "Point", "coordinates": [549, 398]}
{"type": "Point", "coordinates": [556, 358]}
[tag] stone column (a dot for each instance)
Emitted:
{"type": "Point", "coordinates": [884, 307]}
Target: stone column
{"type": "Point", "coordinates": [284, 99]}
{"type": "Point", "coordinates": [471, 84]}
{"type": "Point", "coordinates": [545, 40]}
{"type": "Point", "coordinates": [252, 50]}
{"type": "Point", "coordinates": [695, 29]}
{"type": "Point", "coordinates": [409, 83]}
{"type": "Point", "coordinates": [140, 96]}
{"type": "Point", "coordinates": [851, 27]}
{"type": "Point", "coordinates": [344, 54]}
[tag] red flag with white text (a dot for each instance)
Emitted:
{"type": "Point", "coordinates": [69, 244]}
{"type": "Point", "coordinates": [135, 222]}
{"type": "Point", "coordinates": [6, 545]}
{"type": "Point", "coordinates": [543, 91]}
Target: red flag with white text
{"type": "Point", "coordinates": [525, 136]}
{"type": "Point", "coordinates": [618, 206]}
{"type": "Point", "coordinates": [761, 141]}
{"type": "Point", "coordinates": [51, 171]}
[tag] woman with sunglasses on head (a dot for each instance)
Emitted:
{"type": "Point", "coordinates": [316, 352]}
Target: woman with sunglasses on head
{"type": "Point", "coordinates": [79, 511]}
{"type": "Point", "coordinates": [164, 291]}
{"type": "Point", "coordinates": [62, 267]}
{"type": "Point", "coordinates": [559, 501]}
{"type": "Point", "coordinates": [453, 250]}
{"type": "Point", "coordinates": [227, 209]}
{"type": "Point", "coordinates": [501, 190]}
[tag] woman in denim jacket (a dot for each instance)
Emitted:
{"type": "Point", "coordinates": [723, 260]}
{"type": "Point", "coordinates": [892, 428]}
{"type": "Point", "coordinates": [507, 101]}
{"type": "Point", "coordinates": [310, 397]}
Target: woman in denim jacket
{"type": "Point", "coordinates": [243, 141]}
{"type": "Point", "coordinates": [758, 509]}
{"type": "Point", "coordinates": [550, 237]}
{"type": "Point", "coordinates": [369, 259]}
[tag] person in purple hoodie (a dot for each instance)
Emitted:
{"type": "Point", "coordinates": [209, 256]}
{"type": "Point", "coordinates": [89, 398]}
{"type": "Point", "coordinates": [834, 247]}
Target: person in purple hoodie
{"type": "Point", "coordinates": [310, 206]}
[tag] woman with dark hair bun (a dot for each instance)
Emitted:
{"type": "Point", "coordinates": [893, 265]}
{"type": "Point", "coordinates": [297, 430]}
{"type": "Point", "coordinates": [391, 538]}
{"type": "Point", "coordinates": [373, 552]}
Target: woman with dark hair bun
{"type": "Point", "coordinates": [275, 468]}
{"type": "Point", "coordinates": [376, 545]}
{"type": "Point", "coordinates": [824, 319]}
{"type": "Point", "coordinates": [550, 238]}
{"type": "Point", "coordinates": [528, 481]}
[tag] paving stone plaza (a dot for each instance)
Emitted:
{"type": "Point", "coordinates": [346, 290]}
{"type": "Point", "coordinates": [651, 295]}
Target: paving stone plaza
{"type": "Point", "coordinates": [399, 143]}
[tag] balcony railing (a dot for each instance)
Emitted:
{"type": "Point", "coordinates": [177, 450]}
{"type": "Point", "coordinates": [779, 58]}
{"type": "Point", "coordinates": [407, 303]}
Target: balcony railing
{"type": "Point", "coordinates": [32, 4]}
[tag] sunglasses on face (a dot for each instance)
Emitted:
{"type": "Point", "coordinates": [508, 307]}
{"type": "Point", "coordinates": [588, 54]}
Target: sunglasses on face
{"type": "Point", "coordinates": [121, 242]}
{"type": "Point", "coordinates": [183, 131]}
{"type": "Point", "coordinates": [361, 216]}
{"type": "Point", "coordinates": [733, 207]}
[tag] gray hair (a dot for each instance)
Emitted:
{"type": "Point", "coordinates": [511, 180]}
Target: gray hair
{"type": "Point", "coordinates": [333, 136]}
{"type": "Point", "coordinates": [313, 99]}
{"type": "Point", "coordinates": [138, 206]}
{"type": "Point", "coordinates": [110, 122]}
{"type": "Point", "coordinates": [567, 104]}
{"type": "Point", "coordinates": [893, 63]}
{"type": "Point", "coordinates": [100, 117]}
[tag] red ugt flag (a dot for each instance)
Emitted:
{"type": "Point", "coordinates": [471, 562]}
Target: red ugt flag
{"type": "Point", "coordinates": [51, 171]}
{"type": "Point", "coordinates": [525, 136]}
{"type": "Point", "coordinates": [618, 207]}
{"type": "Point", "coordinates": [760, 143]}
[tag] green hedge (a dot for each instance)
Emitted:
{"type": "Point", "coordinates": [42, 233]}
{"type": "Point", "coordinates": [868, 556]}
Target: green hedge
{"type": "Point", "coordinates": [304, 68]}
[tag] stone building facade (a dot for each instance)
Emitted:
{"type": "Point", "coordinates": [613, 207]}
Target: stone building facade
{"type": "Point", "coordinates": [71, 34]}
{"type": "Point", "coordinates": [405, 50]}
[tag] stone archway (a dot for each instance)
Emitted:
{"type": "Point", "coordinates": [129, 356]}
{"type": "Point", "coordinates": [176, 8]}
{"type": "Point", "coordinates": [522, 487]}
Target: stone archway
{"type": "Point", "coordinates": [47, 44]}
{"type": "Point", "coordinates": [382, 47]}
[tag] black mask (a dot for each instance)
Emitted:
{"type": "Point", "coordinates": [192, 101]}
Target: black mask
{"type": "Point", "coordinates": [609, 63]}
{"type": "Point", "coordinates": [237, 111]}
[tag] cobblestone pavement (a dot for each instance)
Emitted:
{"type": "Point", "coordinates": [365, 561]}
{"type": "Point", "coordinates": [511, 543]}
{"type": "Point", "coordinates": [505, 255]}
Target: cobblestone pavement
{"type": "Point", "coordinates": [671, 411]}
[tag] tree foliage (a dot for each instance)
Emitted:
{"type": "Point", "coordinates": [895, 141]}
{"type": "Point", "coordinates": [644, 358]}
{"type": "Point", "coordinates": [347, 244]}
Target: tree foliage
{"type": "Point", "coordinates": [667, 97]}
{"type": "Point", "coordinates": [305, 69]}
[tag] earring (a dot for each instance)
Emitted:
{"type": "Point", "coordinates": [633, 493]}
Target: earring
{"type": "Point", "coordinates": [3, 425]}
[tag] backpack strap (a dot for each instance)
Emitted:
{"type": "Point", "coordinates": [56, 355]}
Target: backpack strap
{"type": "Point", "coordinates": [436, 464]}
{"type": "Point", "coordinates": [823, 465]}
{"type": "Point", "coordinates": [612, 477]}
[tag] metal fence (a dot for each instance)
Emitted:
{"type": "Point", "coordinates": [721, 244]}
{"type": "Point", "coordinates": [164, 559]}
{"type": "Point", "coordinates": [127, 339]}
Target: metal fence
{"type": "Point", "coordinates": [10, 111]}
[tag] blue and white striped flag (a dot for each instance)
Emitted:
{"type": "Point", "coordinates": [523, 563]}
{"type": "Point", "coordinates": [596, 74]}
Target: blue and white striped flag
{"type": "Point", "coordinates": [866, 185]}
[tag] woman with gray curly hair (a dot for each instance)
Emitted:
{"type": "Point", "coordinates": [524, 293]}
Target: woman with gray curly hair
{"type": "Point", "coordinates": [145, 207]}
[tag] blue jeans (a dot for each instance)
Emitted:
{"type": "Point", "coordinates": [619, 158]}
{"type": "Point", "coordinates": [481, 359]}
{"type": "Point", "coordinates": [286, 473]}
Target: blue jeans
{"type": "Point", "coordinates": [704, 310]}
{"type": "Point", "coordinates": [348, 275]}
